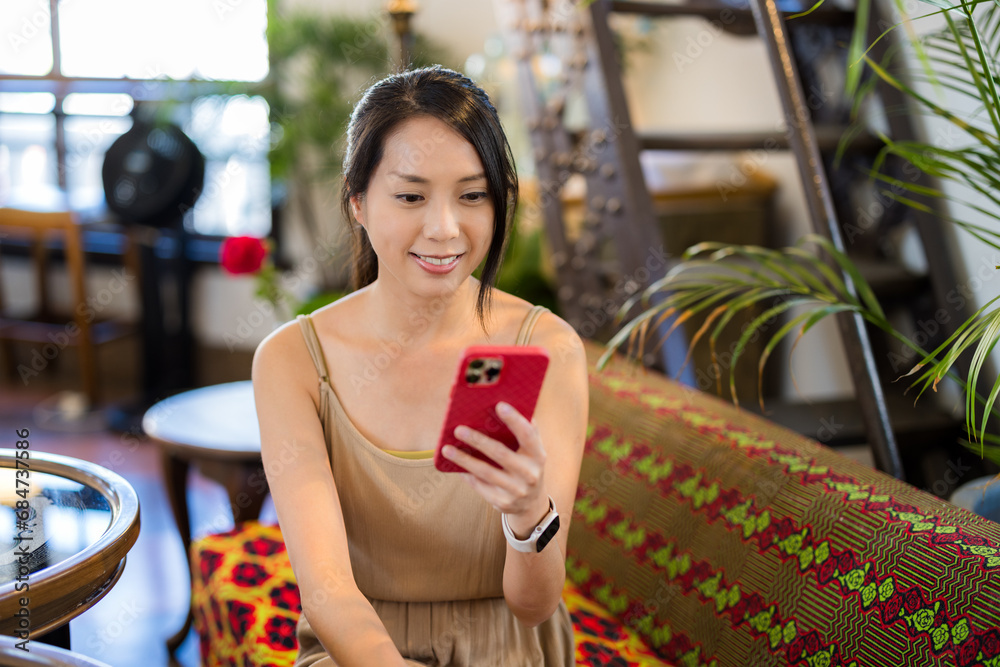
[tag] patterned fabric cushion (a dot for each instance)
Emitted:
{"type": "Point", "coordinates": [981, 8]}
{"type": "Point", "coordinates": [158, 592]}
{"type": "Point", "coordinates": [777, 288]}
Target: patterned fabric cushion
{"type": "Point", "coordinates": [725, 539]}
{"type": "Point", "coordinates": [246, 603]}
{"type": "Point", "coordinates": [244, 598]}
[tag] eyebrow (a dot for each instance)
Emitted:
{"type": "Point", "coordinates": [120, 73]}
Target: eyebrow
{"type": "Point", "coordinates": [413, 178]}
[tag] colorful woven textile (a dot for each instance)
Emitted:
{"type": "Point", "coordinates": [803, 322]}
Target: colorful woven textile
{"type": "Point", "coordinates": [725, 539]}
{"type": "Point", "coordinates": [246, 604]}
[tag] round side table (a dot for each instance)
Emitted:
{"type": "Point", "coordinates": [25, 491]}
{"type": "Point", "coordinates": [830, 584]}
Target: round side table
{"type": "Point", "coordinates": [70, 524]}
{"type": "Point", "coordinates": [215, 429]}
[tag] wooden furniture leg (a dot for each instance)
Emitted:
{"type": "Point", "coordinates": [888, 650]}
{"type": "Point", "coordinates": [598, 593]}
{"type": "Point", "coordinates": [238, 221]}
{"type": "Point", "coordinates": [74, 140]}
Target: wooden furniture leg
{"type": "Point", "coordinates": [82, 312]}
{"type": "Point", "coordinates": [175, 473]}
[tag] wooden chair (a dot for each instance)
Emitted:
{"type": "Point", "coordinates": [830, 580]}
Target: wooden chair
{"type": "Point", "coordinates": [43, 326]}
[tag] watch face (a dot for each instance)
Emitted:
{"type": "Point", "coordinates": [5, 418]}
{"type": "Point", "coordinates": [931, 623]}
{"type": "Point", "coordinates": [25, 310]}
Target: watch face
{"type": "Point", "coordinates": [547, 534]}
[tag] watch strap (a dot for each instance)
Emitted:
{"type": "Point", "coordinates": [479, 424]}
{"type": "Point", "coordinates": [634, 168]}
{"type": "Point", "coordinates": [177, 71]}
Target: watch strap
{"type": "Point", "coordinates": [540, 535]}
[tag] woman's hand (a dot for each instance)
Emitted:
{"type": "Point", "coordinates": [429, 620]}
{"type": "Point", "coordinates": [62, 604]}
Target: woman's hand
{"type": "Point", "coordinates": [516, 488]}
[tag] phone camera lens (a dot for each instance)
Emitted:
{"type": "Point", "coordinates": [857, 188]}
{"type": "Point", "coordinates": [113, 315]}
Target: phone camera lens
{"type": "Point", "coordinates": [476, 363]}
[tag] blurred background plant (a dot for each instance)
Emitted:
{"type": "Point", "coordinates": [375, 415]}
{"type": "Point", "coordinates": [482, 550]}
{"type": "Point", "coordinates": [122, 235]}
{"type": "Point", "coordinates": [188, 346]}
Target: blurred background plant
{"type": "Point", "coordinates": [319, 63]}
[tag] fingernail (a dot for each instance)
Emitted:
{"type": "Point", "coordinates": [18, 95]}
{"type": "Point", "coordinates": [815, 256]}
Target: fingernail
{"type": "Point", "coordinates": [504, 408]}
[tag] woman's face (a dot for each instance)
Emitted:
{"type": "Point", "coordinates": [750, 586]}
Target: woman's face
{"type": "Point", "coordinates": [426, 210]}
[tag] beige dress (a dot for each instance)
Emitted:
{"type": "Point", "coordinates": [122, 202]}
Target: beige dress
{"type": "Point", "coordinates": [427, 552]}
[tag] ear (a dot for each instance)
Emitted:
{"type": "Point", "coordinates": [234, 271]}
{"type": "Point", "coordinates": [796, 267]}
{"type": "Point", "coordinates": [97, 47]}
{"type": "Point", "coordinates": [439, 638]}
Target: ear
{"type": "Point", "coordinates": [358, 210]}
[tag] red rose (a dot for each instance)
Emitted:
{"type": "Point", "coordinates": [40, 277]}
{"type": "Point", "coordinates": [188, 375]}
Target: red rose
{"type": "Point", "coordinates": [944, 538]}
{"type": "Point", "coordinates": [845, 562]}
{"type": "Point", "coordinates": [912, 600]}
{"type": "Point", "coordinates": [740, 610]}
{"type": "Point", "coordinates": [826, 571]}
{"type": "Point", "coordinates": [890, 608]}
{"type": "Point", "coordinates": [968, 652]}
{"type": "Point", "coordinates": [795, 650]}
{"type": "Point", "coordinates": [812, 642]}
{"type": "Point", "coordinates": [242, 254]}
{"type": "Point", "coordinates": [784, 529]}
{"type": "Point", "coordinates": [991, 644]}
{"type": "Point", "coordinates": [767, 537]}
{"type": "Point", "coordinates": [973, 540]}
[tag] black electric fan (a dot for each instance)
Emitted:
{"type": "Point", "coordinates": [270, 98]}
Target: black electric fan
{"type": "Point", "coordinates": [153, 175]}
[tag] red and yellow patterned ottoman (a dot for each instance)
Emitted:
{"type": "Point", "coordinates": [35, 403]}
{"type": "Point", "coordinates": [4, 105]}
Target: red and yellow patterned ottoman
{"type": "Point", "coordinates": [702, 535]}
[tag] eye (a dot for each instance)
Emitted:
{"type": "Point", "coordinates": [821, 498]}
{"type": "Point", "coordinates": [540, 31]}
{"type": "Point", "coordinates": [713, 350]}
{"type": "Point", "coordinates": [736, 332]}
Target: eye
{"type": "Point", "coordinates": [409, 198]}
{"type": "Point", "coordinates": [475, 196]}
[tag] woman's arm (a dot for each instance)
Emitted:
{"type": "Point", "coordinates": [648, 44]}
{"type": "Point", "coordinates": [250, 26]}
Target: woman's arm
{"type": "Point", "coordinates": [546, 464]}
{"type": "Point", "coordinates": [301, 484]}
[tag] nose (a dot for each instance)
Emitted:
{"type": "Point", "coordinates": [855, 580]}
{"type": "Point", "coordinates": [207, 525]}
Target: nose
{"type": "Point", "coordinates": [442, 221]}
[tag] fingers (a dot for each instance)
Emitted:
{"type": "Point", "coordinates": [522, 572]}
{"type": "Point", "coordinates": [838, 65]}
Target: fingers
{"type": "Point", "coordinates": [525, 431]}
{"type": "Point", "coordinates": [520, 474]}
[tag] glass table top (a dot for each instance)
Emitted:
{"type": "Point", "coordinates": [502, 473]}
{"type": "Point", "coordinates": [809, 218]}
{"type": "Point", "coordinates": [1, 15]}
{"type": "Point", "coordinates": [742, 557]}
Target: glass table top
{"type": "Point", "coordinates": [56, 519]}
{"type": "Point", "coordinates": [66, 526]}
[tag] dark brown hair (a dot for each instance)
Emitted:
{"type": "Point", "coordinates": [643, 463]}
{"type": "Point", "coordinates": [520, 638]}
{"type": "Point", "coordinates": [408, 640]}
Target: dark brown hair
{"type": "Point", "coordinates": [462, 105]}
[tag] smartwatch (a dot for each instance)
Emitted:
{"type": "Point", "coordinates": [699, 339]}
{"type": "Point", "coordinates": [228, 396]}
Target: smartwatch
{"type": "Point", "coordinates": [540, 536]}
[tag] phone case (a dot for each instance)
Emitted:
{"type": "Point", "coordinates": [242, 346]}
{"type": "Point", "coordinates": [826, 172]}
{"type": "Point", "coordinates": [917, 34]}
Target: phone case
{"type": "Point", "coordinates": [477, 390]}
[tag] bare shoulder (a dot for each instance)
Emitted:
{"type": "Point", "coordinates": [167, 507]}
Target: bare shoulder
{"type": "Point", "coordinates": [282, 364]}
{"type": "Point", "coordinates": [563, 343]}
{"type": "Point", "coordinates": [281, 347]}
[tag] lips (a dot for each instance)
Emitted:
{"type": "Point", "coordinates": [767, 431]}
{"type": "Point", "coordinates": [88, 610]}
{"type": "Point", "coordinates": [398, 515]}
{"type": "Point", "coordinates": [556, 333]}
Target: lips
{"type": "Point", "coordinates": [439, 260]}
{"type": "Point", "coordinates": [437, 263]}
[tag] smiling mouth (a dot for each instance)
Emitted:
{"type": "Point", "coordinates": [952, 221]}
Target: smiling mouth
{"type": "Point", "coordinates": [437, 261]}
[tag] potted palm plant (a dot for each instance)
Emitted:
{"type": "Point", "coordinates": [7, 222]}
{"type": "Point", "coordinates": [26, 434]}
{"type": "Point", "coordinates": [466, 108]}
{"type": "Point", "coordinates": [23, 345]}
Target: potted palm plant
{"type": "Point", "coordinates": [716, 281]}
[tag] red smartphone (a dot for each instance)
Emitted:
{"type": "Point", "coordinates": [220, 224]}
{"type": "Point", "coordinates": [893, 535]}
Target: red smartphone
{"type": "Point", "coordinates": [488, 374]}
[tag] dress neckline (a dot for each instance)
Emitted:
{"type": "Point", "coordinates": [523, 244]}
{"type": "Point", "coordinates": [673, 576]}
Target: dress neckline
{"type": "Point", "coordinates": [358, 435]}
{"type": "Point", "coordinates": [319, 359]}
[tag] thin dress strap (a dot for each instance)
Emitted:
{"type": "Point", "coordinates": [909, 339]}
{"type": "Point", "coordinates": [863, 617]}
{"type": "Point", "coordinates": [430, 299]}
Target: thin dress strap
{"type": "Point", "coordinates": [315, 349]}
{"type": "Point", "coordinates": [524, 336]}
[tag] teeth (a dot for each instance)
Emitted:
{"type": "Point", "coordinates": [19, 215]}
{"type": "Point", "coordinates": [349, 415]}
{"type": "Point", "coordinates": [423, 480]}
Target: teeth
{"type": "Point", "coordinates": [439, 262]}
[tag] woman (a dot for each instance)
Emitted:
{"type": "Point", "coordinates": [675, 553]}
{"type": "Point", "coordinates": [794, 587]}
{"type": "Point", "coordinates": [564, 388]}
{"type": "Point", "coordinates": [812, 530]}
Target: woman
{"type": "Point", "coordinates": [398, 563]}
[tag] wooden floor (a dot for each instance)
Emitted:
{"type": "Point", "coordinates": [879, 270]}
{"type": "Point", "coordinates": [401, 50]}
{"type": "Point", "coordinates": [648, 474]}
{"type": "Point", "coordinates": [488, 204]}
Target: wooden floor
{"type": "Point", "coordinates": [129, 626]}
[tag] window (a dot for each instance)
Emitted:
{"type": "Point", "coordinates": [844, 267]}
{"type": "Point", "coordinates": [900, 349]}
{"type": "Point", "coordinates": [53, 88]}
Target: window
{"type": "Point", "coordinates": [67, 87]}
